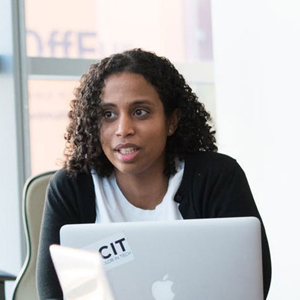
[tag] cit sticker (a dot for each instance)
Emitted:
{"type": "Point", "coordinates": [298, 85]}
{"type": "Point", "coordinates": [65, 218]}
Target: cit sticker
{"type": "Point", "coordinates": [115, 250]}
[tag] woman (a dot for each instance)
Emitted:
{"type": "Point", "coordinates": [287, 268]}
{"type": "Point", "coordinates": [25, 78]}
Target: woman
{"type": "Point", "coordinates": [139, 147]}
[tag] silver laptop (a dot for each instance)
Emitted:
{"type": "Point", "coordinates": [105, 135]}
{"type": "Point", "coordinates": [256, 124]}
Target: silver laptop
{"type": "Point", "coordinates": [207, 259]}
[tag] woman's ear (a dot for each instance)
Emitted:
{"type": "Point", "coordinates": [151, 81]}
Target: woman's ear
{"type": "Point", "coordinates": [173, 121]}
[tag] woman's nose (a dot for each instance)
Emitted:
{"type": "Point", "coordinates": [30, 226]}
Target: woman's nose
{"type": "Point", "coordinates": [125, 126]}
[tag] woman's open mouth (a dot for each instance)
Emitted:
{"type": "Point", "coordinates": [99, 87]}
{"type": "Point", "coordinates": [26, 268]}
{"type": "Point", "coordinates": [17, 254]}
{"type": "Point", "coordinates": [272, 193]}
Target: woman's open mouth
{"type": "Point", "coordinates": [127, 150]}
{"type": "Point", "coordinates": [127, 153]}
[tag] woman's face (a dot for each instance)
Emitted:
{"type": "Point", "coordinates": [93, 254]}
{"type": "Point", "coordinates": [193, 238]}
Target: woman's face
{"type": "Point", "coordinates": [134, 127]}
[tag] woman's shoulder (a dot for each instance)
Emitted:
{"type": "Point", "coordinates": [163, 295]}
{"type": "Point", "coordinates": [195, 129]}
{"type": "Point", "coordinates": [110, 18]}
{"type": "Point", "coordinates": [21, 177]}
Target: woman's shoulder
{"type": "Point", "coordinates": [211, 160]}
{"type": "Point", "coordinates": [64, 179]}
{"type": "Point", "coordinates": [65, 175]}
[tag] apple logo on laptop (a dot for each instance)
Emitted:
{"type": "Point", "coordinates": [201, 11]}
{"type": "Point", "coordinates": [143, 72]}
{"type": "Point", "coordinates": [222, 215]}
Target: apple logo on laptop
{"type": "Point", "coordinates": [162, 289]}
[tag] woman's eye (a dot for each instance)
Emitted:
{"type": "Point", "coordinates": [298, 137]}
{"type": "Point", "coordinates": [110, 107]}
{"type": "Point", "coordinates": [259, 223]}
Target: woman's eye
{"type": "Point", "coordinates": [109, 115]}
{"type": "Point", "coordinates": [140, 112]}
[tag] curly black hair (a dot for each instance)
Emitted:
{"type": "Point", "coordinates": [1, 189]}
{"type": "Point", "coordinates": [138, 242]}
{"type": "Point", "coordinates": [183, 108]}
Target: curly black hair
{"type": "Point", "coordinates": [194, 133]}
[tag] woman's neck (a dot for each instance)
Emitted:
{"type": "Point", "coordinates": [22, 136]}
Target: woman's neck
{"type": "Point", "coordinates": [145, 192]}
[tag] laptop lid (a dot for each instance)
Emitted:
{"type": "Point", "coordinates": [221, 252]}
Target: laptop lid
{"type": "Point", "coordinates": [190, 259]}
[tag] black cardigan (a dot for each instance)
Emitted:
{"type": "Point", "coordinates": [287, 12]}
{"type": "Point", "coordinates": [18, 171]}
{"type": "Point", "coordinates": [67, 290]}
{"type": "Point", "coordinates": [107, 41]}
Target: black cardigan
{"type": "Point", "coordinates": [213, 186]}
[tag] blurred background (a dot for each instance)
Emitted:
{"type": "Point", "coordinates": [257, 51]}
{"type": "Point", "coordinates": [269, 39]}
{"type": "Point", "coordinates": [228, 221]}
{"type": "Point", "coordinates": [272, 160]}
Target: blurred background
{"type": "Point", "coordinates": [241, 58]}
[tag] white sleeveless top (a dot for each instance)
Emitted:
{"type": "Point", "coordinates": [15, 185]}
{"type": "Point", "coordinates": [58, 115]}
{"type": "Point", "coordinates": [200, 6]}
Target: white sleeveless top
{"type": "Point", "coordinates": [112, 206]}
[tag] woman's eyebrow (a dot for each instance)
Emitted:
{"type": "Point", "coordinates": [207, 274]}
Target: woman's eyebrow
{"type": "Point", "coordinates": [107, 105]}
{"type": "Point", "coordinates": [134, 103]}
{"type": "Point", "coordinates": [142, 102]}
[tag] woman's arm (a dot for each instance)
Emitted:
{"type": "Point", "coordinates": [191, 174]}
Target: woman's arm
{"type": "Point", "coordinates": [232, 197]}
{"type": "Point", "coordinates": [60, 209]}
{"type": "Point", "coordinates": [215, 186]}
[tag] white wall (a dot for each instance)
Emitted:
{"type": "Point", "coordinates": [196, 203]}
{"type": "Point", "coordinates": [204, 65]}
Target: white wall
{"type": "Point", "coordinates": [257, 65]}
